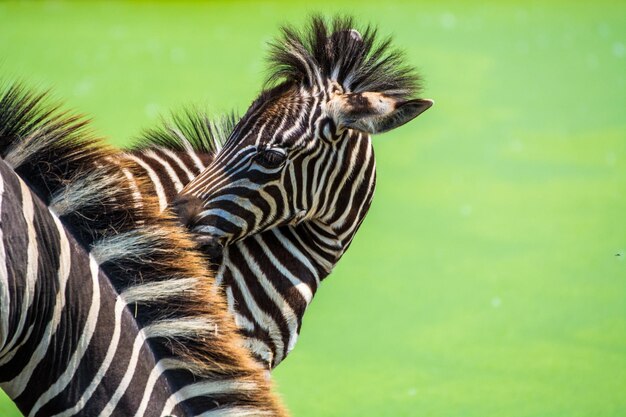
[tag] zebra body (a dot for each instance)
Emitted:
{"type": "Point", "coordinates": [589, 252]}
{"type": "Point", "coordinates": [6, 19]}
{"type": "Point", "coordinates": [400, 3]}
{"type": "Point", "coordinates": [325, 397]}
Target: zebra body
{"type": "Point", "coordinates": [51, 338]}
{"type": "Point", "coordinates": [293, 179]}
{"type": "Point", "coordinates": [105, 306]}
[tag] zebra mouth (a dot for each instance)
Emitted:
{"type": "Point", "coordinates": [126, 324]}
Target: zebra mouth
{"type": "Point", "coordinates": [188, 208]}
{"type": "Point", "coordinates": [209, 245]}
{"type": "Point", "coordinates": [210, 239]}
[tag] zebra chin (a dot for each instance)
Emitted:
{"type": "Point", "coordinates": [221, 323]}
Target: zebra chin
{"type": "Point", "coordinates": [209, 245]}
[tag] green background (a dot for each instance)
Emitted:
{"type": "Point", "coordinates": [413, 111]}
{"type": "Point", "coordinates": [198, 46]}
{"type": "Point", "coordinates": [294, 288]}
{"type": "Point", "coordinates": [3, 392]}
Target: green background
{"type": "Point", "coordinates": [489, 278]}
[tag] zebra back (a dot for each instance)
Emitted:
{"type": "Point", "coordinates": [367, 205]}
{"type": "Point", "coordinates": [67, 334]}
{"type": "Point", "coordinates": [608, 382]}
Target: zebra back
{"type": "Point", "coordinates": [144, 335]}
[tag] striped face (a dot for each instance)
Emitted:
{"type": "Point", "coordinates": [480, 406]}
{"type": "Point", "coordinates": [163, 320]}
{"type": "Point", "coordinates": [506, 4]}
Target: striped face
{"type": "Point", "coordinates": [299, 154]}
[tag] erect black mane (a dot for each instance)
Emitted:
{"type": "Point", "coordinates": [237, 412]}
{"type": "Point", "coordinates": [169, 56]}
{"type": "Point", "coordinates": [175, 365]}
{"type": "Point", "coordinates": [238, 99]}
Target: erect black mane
{"type": "Point", "coordinates": [341, 51]}
{"type": "Point", "coordinates": [190, 128]}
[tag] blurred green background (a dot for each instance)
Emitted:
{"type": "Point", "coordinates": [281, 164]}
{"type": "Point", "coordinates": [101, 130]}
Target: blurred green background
{"type": "Point", "coordinates": [490, 276]}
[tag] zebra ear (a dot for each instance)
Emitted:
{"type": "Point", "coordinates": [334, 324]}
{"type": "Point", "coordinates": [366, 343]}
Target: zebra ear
{"type": "Point", "coordinates": [374, 112]}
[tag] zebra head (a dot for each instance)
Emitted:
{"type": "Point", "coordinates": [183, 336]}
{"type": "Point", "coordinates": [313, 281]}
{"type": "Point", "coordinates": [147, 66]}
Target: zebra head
{"type": "Point", "coordinates": [302, 151]}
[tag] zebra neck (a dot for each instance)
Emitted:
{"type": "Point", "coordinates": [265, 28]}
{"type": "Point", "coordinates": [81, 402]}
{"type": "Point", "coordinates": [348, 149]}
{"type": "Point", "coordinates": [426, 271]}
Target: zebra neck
{"type": "Point", "coordinates": [320, 243]}
{"type": "Point", "coordinates": [343, 207]}
{"type": "Point", "coordinates": [269, 280]}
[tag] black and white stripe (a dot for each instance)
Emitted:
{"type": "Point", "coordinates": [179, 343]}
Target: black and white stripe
{"type": "Point", "coordinates": [284, 196]}
{"type": "Point", "coordinates": [268, 278]}
{"type": "Point", "coordinates": [105, 306]}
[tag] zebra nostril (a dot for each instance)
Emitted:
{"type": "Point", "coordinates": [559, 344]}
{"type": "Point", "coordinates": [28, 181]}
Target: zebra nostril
{"type": "Point", "coordinates": [187, 208]}
{"type": "Point", "coordinates": [209, 245]}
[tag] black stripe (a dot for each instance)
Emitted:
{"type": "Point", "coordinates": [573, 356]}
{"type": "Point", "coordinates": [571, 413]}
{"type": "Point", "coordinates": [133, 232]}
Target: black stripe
{"type": "Point", "coordinates": [243, 310]}
{"type": "Point", "coordinates": [45, 289]}
{"type": "Point", "coordinates": [260, 296]}
{"type": "Point", "coordinates": [281, 283]}
{"type": "Point", "coordinates": [15, 242]}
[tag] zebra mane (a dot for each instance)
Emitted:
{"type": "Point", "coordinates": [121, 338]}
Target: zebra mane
{"type": "Point", "coordinates": [189, 129]}
{"type": "Point", "coordinates": [147, 256]}
{"type": "Point", "coordinates": [340, 51]}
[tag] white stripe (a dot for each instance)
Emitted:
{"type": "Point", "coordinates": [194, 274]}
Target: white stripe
{"type": "Point", "coordinates": [338, 222]}
{"type": "Point", "coordinates": [162, 366]}
{"type": "Point", "coordinates": [320, 260]}
{"type": "Point", "coordinates": [287, 313]}
{"type": "Point", "coordinates": [230, 299]}
{"type": "Point", "coordinates": [301, 286]}
{"type": "Point", "coordinates": [209, 178]}
{"type": "Point", "coordinates": [85, 338]}
{"type": "Point", "coordinates": [360, 215]}
{"type": "Point", "coordinates": [179, 162]}
{"type": "Point", "coordinates": [327, 244]}
{"type": "Point", "coordinates": [104, 366]}
{"type": "Point", "coordinates": [206, 388]}
{"type": "Point", "coordinates": [133, 186]}
{"type": "Point", "coordinates": [166, 328]}
{"type": "Point", "coordinates": [260, 348]}
{"type": "Point", "coordinates": [240, 411]}
{"type": "Point", "coordinates": [16, 386]}
{"type": "Point", "coordinates": [224, 215]}
{"type": "Point", "coordinates": [241, 321]}
{"type": "Point", "coordinates": [168, 168]}
{"type": "Point", "coordinates": [140, 340]}
{"type": "Point", "coordinates": [318, 179]}
{"type": "Point", "coordinates": [236, 412]}
{"type": "Point", "coordinates": [190, 151]}
{"type": "Point", "coordinates": [259, 135]}
{"type": "Point", "coordinates": [295, 190]}
{"type": "Point", "coordinates": [219, 275]}
{"type": "Point", "coordinates": [5, 299]}
{"type": "Point", "coordinates": [264, 320]}
{"type": "Point", "coordinates": [155, 180]}
{"type": "Point", "coordinates": [304, 195]}
{"type": "Point", "coordinates": [331, 180]}
{"type": "Point", "coordinates": [31, 269]}
{"type": "Point", "coordinates": [209, 230]}
{"type": "Point", "coordinates": [129, 176]}
{"type": "Point", "coordinates": [244, 203]}
{"type": "Point", "coordinates": [295, 252]}
{"type": "Point", "coordinates": [26, 339]}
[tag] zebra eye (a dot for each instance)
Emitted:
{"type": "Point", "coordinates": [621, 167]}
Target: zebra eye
{"type": "Point", "coordinates": [271, 158]}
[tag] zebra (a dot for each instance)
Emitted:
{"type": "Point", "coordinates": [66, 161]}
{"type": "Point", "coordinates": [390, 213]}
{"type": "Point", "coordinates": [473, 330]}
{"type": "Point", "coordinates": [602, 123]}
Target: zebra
{"type": "Point", "coordinates": [106, 308]}
{"type": "Point", "coordinates": [276, 197]}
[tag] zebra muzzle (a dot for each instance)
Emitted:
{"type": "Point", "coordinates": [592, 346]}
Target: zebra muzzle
{"type": "Point", "coordinates": [209, 245]}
